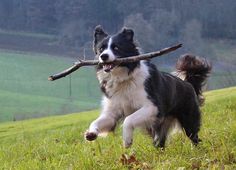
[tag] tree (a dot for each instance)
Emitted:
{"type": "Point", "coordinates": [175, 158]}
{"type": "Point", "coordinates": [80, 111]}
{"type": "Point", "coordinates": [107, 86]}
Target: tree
{"type": "Point", "coordinates": [192, 39]}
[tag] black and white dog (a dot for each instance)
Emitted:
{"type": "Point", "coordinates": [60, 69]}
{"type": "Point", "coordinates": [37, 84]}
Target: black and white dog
{"type": "Point", "coordinates": [143, 96]}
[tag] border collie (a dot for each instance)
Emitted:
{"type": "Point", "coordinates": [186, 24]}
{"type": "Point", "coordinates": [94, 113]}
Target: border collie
{"type": "Point", "coordinates": [143, 96]}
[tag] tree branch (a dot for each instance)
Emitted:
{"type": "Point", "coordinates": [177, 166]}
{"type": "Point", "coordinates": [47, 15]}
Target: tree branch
{"type": "Point", "coordinates": [118, 61]}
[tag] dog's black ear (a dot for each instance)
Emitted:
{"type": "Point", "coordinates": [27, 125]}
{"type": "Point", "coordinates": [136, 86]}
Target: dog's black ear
{"type": "Point", "coordinates": [99, 34]}
{"type": "Point", "coordinates": [128, 33]}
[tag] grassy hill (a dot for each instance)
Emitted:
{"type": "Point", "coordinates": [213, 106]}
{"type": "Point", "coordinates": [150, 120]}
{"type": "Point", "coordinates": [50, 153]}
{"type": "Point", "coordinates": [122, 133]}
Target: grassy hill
{"type": "Point", "coordinates": [25, 91]}
{"type": "Point", "coordinates": [57, 143]}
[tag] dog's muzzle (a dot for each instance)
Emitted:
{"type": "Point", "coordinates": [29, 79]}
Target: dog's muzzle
{"type": "Point", "coordinates": [105, 58]}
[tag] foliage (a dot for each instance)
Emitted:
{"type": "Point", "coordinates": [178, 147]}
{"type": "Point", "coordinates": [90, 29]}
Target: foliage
{"type": "Point", "coordinates": [57, 143]}
{"type": "Point", "coordinates": [61, 16]}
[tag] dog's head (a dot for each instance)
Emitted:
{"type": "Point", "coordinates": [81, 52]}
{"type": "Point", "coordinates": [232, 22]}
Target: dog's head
{"type": "Point", "coordinates": [109, 47]}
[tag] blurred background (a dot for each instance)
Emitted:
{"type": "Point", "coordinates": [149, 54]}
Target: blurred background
{"type": "Point", "coordinates": [38, 38]}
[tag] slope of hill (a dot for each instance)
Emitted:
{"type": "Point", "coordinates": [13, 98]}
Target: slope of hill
{"type": "Point", "coordinates": [57, 143]}
{"type": "Point", "coordinates": [25, 91]}
{"type": "Point", "coordinates": [36, 43]}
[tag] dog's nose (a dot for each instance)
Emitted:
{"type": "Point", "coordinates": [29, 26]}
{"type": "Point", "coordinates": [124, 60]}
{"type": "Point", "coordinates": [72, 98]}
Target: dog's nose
{"type": "Point", "coordinates": [104, 57]}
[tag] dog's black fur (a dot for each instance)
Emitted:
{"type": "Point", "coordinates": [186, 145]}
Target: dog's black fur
{"type": "Point", "coordinates": [176, 99]}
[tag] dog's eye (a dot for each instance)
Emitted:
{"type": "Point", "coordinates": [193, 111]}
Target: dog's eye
{"type": "Point", "coordinates": [101, 49]}
{"type": "Point", "coordinates": [115, 48]}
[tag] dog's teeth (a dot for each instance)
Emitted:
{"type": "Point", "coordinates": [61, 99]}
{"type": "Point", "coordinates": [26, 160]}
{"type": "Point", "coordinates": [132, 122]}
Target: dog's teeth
{"type": "Point", "coordinates": [107, 67]}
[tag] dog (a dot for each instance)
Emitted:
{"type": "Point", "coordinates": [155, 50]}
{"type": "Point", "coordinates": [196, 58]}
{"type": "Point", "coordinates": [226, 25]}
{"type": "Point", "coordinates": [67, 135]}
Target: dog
{"type": "Point", "coordinates": [142, 96]}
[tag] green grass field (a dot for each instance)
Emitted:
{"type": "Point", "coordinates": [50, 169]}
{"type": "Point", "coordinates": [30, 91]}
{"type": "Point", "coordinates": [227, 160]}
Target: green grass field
{"type": "Point", "coordinates": [57, 143]}
{"type": "Point", "coordinates": [25, 91]}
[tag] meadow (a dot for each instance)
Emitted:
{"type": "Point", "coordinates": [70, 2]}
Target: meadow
{"type": "Point", "coordinates": [25, 91]}
{"type": "Point", "coordinates": [57, 143]}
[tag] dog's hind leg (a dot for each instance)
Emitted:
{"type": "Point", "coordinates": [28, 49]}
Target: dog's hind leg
{"type": "Point", "coordinates": [161, 131]}
{"type": "Point", "coordinates": [160, 138]}
{"type": "Point", "coordinates": [190, 122]}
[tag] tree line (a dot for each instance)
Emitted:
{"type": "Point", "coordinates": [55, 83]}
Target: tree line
{"type": "Point", "coordinates": [157, 22]}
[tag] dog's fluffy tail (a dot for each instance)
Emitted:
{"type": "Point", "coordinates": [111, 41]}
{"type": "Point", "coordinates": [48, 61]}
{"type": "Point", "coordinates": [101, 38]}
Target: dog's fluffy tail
{"type": "Point", "coordinates": [194, 70]}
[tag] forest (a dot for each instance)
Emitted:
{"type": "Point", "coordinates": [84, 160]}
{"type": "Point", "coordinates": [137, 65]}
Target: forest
{"type": "Point", "coordinates": [157, 23]}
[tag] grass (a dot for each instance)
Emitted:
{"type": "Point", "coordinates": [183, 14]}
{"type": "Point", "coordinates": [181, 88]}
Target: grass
{"type": "Point", "coordinates": [57, 143]}
{"type": "Point", "coordinates": [28, 34]}
{"type": "Point", "coordinates": [25, 91]}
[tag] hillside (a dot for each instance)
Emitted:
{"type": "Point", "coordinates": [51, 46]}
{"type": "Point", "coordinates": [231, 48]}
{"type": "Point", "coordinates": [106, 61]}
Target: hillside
{"type": "Point", "coordinates": [35, 43]}
{"type": "Point", "coordinates": [25, 91]}
{"type": "Point", "coordinates": [57, 143]}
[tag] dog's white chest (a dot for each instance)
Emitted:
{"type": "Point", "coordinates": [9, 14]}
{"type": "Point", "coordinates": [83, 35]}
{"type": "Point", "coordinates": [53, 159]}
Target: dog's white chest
{"type": "Point", "coordinates": [124, 93]}
{"type": "Point", "coordinates": [130, 98]}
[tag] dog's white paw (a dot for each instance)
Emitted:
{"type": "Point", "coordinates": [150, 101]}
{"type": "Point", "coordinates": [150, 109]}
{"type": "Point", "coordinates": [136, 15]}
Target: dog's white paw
{"type": "Point", "coordinates": [90, 136]}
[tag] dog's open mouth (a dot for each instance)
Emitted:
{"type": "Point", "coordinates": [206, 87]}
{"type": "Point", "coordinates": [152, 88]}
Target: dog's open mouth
{"type": "Point", "coordinates": [108, 67]}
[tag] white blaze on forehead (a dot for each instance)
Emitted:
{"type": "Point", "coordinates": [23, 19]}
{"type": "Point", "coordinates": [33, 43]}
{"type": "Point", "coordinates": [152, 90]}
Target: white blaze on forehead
{"type": "Point", "coordinates": [108, 51]}
{"type": "Point", "coordinates": [109, 43]}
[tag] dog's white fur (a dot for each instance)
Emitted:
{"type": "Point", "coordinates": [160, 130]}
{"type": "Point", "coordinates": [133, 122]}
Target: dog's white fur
{"type": "Point", "coordinates": [126, 99]}
{"type": "Point", "coordinates": [109, 52]}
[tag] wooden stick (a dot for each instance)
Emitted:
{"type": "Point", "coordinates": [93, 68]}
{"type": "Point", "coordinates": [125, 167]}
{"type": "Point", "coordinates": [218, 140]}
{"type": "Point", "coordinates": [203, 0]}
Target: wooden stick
{"type": "Point", "coordinates": [118, 61]}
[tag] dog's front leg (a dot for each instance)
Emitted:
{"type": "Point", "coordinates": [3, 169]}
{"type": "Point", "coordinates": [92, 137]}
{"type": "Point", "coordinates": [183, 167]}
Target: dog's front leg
{"type": "Point", "coordinates": [104, 123]}
{"type": "Point", "coordinates": [142, 118]}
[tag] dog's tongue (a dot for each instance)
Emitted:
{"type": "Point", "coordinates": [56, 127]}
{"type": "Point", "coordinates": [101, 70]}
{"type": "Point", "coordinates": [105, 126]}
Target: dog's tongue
{"type": "Point", "coordinates": [107, 67]}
